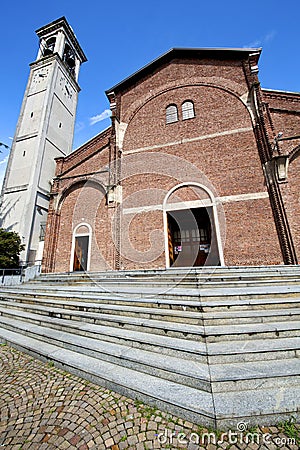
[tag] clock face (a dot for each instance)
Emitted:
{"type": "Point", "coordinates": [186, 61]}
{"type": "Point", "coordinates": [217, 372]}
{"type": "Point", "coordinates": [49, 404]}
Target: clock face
{"type": "Point", "coordinates": [40, 75]}
{"type": "Point", "coordinates": [66, 87]}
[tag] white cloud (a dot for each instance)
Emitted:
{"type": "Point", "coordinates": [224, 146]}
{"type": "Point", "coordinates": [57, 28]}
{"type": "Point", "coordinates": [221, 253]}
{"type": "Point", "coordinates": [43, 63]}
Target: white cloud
{"type": "Point", "coordinates": [253, 44]}
{"type": "Point", "coordinates": [104, 115]}
{"type": "Point", "coordinates": [79, 126]}
{"type": "Point", "coordinates": [4, 160]}
{"type": "Point", "coordinates": [270, 36]}
{"type": "Point", "coordinates": [263, 40]}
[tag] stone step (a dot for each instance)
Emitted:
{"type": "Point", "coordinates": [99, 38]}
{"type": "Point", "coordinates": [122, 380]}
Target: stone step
{"type": "Point", "coordinates": [250, 331]}
{"type": "Point", "coordinates": [188, 372]}
{"type": "Point", "coordinates": [268, 405]}
{"type": "Point", "coordinates": [165, 328]}
{"type": "Point", "coordinates": [180, 274]}
{"type": "Point", "coordinates": [166, 345]}
{"type": "Point", "coordinates": [167, 282]}
{"type": "Point", "coordinates": [210, 318]}
{"type": "Point", "coordinates": [164, 281]}
{"type": "Point", "coordinates": [174, 315]}
{"type": "Point", "coordinates": [175, 398]}
{"type": "Point", "coordinates": [230, 315]}
{"type": "Point", "coordinates": [23, 292]}
{"type": "Point", "coordinates": [254, 304]}
{"type": "Point", "coordinates": [221, 408]}
{"type": "Point", "coordinates": [139, 297]}
{"type": "Point", "coordinates": [191, 373]}
{"type": "Point", "coordinates": [210, 333]}
{"type": "Point", "coordinates": [248, 376]}
{"type": "Point", "coordinates": [224, 352]}
{"type": "Point", "coordinates": [228, 336]}
{"type": "Point", "coordinates": [219, 350]}
{"type": "Point", "coordinates": [155, 305]}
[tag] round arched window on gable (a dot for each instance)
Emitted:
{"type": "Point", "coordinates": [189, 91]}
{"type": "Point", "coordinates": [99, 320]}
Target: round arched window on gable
{"type": "Point", "coordinates": [188, 111]}
{"type": "Point", "coordinates": [171, 114]}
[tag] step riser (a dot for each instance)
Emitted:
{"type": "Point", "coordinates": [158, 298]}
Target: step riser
{"type": "Point", "coordinates": [250, 320]}
{"type": "Point", "coordinates": [280, 382]}
{"type": "Point", "coordinates": [252, 336]}
{"type": "Point", "coordinates": [254, 357]}
{"type": "Point", "coordinates": [249, 306]}
{"type": "Point", "coordinates": [121, 301]}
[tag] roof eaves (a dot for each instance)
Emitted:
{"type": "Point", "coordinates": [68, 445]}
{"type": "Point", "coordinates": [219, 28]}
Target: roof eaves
{"type": "Point", "coordinates": [176, 52]}
{"type": "Point", "coordinates": [279, 91]}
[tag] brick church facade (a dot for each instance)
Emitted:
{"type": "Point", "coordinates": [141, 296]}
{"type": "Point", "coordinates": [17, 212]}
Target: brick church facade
{"type": "Point", "coordinates": [199, 167]}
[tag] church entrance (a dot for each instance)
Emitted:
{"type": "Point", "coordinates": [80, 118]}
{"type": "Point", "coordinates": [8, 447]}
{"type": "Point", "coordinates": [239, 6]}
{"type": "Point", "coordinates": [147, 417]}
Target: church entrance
{"type": "Point", "coordinates": [81, 253]}
{"type": "Point", "coordinates": [189, 236]}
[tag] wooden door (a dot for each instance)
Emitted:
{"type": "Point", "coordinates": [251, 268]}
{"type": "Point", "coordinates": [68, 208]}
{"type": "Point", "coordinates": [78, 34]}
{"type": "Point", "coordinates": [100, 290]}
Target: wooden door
{"type": "Point", "coordinates": [81, 253]}
{"type": "Point", "coordinates": [189, 237]}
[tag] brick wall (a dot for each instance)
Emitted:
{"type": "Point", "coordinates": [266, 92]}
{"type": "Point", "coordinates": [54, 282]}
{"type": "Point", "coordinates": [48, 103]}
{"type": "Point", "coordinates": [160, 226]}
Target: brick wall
{"type": "Point", "coordinates": [79, 196]}
{"type": "Point", "coordinates": [215, 152]}
{"type": "Point", "coordinates": [217, 148]}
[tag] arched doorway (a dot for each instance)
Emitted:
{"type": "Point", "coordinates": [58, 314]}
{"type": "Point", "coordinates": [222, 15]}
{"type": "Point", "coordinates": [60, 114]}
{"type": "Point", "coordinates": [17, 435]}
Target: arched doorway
{"type": "Point", "coordinates": [191, 227]}
{"type": "Point", "coordinates": [189, 235]}
{"type": "Point", "coordinates": [80, 255]}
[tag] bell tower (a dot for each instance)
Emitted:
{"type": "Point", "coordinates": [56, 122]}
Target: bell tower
{"type": "Point", "coordinates": [44, 132]}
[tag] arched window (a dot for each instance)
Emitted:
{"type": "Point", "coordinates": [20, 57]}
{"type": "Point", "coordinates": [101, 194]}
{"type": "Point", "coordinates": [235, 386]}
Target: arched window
{"type": "Point", "coordinates": [49, 46]}
{"type": "Point", "coordinates": [69, 58]}
{"type": "Point", "coordinates": [188, 110]}
{"type": "Point", "coordinates": [171, 114]}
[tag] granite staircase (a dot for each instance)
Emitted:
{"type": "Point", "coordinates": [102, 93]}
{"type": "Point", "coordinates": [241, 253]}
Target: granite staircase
{"type": "Point", "coordinates": [213, 345]}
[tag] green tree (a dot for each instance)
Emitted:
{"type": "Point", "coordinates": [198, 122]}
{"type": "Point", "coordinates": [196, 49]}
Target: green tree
{"type": "Point", "coordinates": [10, 249]}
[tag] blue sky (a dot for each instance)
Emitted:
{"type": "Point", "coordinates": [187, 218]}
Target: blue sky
{"type": "Point", "coordinates": [121, 37]}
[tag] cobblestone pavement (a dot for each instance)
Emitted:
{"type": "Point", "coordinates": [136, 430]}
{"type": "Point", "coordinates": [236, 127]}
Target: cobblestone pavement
{"type": "Point", "coordinates": [42, 407]}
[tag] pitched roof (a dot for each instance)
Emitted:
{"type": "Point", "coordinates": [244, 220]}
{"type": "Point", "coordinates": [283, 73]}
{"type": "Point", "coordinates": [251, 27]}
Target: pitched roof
{"type": "Point", "coordinates": [186, 53]}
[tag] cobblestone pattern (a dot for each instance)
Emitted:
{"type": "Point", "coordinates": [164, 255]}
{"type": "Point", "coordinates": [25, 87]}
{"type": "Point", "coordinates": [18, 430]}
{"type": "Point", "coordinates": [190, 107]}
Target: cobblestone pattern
{"type": "Point", "coordinates": [44, 408]}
